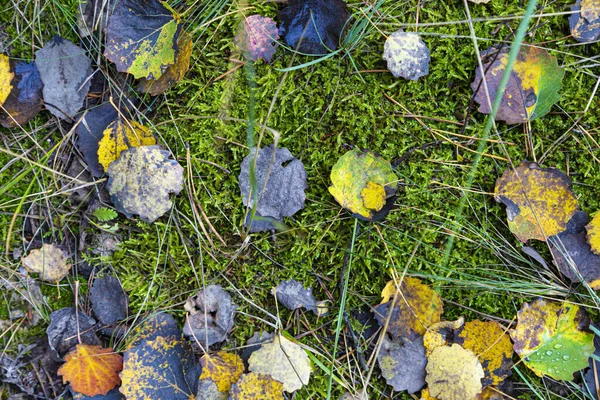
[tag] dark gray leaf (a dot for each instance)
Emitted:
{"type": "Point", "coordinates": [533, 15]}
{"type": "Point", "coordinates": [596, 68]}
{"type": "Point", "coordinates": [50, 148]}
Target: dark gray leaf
{"type": "Point", "coordinates": [109, 300]}
{"type": "Point", "coordinates": [158, 324]}
{"type": "Point", "coordinates": [89, 132]}
{"type": "Point", "coordinates": [283, 195]}
{"type": "Point", "coordinates": [207, 390]}
{"type": "Point", "coordinates": [63, 331]}
{"type": "Point", "coordinates": [64, 69]}
{"type": "Point", "coordinates": [93, 15]}
{"type": "Point", "coordinates": [293, 295]}
{"type": "Point", "coordinates": [402, 363]}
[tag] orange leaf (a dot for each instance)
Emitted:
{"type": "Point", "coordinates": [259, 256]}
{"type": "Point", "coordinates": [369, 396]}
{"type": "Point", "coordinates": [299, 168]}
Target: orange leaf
{"type": "Point", "coordinates": [92, 370]}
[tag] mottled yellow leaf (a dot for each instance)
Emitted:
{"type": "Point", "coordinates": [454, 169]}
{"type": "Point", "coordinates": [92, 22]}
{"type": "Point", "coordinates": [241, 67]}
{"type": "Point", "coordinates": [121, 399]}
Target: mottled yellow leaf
{"type": "Point", "coordinates": [92, 370]}
{"type": "Point", "coordinates": [585, 20]}
{"type": "Point", "coordinates": [223, 368]}
{"type": "Point", "coordinates": [441, 334]}
{"type": "Point", "coordinates": [553, 338]}
{"type": "Point", "coordinates": [49, 261]}
{"type": "Point", "coordinates": [454, 373]}
{"type": "Point", "coordinates": [539, 201]}
{"type": "Point", "coordinates": [254, 386]}
{"type": "Point", "coordinates": [593, 233]}
{"type": "Point", "coordinates": [284, 361]}
{"type": "Point", "coordinates": [6, 77]}
{"type": "Point", "coordinates": [119, 136]}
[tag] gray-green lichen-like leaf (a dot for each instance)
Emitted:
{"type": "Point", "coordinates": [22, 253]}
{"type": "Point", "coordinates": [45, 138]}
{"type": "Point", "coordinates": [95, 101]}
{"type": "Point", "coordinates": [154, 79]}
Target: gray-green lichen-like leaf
{"type": "Point", "coordinates": [407, 55]}
{"type": "Point", "coordinates": [402, 363]}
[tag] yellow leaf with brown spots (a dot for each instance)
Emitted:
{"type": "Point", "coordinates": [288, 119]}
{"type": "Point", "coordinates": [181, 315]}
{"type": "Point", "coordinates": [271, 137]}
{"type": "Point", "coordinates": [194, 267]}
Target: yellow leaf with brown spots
{"type": "Point", "coordinates": [539, 201]}
{"type": "Point", "coordinates": [492, 346]}
{"type": "Point", "coordinates": [416, 308]}
{"type": "Point", "coordinates": [441, 334]}
{"type": "Point", "coordinates": [119, 136]}
{"type": "Point", "coordinates": [223, 368]}
{"type": "Point", "coordinates": [454, 373]}
{"type": "Point", "coordinates": [254, 386]}
{"type": "Point", "coordinates": [49, 261]}
{"type": "Point", "coordinates": [6, 77]}
{"type": "Point", "coordinates": [92, 370]}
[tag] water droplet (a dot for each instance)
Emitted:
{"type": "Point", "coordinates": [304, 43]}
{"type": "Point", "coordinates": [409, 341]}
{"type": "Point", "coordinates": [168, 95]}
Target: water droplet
{"type": "Point", "coordinates": [566, 357]}
{"type": "Point", "coordinates": [549, 352]}
{"type": "Point", "coordinates": [557, 346]}
{"type": "Point", "coordinates": [550, 370]}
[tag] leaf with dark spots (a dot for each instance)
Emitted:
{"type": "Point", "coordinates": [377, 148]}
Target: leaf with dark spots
{"type": "Point", "coordinates": [585, 20]}
{"type": "Point", "coordinates": [160, 324]}
{"type": "Point", "coordinates": [89, 133]}
{"type": "Point", "coordinates": [109, 300]}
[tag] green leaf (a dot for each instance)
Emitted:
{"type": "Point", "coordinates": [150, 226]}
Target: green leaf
{"type": "Point", "coordinates": [105, 214]}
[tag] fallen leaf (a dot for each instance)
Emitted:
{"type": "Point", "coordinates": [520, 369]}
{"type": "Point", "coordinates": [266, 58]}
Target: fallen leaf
{"type": "Point", "coordinates": [254, 344]}
{"type": "Point", "coordinates": [109, 300]}
{"type": "Point", "coordinates": [140, 182]}
{"type": "Point", "coordinates": [141, 38]}
{"type": "Point", "coordinates": [257, 37]}
{"type": "Point", "coordinates": [6, 77]}
{"type": "Point", "coordinates": [49, 261]}
{"type": "Point", "coordinates": [282, 194]}
{"type": "Point", "coordinates": [364, 183]}
{"type": "Point", "coordinates": [532, 88]}
{"type": "Point", "coordinates": [211, 316]}
{"type": "Point", "coordinates": [254, 386]}
{"type": "Point", "coordinates": [402, 363]}
{"type": "Point", "coordinates": [65, 71]}
{"type": "Point", "coordinates": [492, 346]}
{"type": "Point", "coordinates": [292, 295]}
{"type": "Point", "coordinates": [112, 395]}
{"type": "Point", "coordinates": [89, 133]}
{"type": "Point", "coordinates": [454, 373]}
{"type": "Point", "coordinates": [552, 338]}
{"type": "Point", "coordinates": [591, 382]}
{"type": "Point", "coordinates": [593, 234]}
{"type": "Point", "coordinates": [407, 55]}
{"type": "Point", "coordinates": [174, 73]}
{"type": "Point", "coordinates": [441, 334]}
{"type": "Point", "coordinates": [158, 324]}
{"type": "Point", "coordinates": [67, 327]}
{"type": "Point", "coordinates": [223, 368]}
{"type": "Point", "coordinates": [283, 360]}
{"type": "Point", "coordinates": [92, 370]}
{"type": "Point", "coordinates": [207, 390]}
{"type": "Point", "coordinates": [25, 99]}
{"type": "Point", "coordinates": [417, 307]}
{"type": "Point", "coordinates": [585, 20]}
{"type": "Point", "coordinates": [119, 136]}
{"type": "Point", "coordinates": [539, 201]}
{"type": "Point", "coordinates": [313, 26]}
{"type": "Point", "coordinates": [162, 368]}
{"type": "Point", "coordinates": [93, 15]}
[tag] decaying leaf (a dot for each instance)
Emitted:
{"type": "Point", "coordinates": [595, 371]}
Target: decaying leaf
{"type": "Point", "coordinates": [89, 133]}
{"type": "Point", "coordinates": [313, 26]}
{"type": "Point", "coordinates": [593, 233]}
{"type": "Point", "coordinates": [441, 334]}
{"type": "Point", "coordinates": [573, 255]}
{"type": "Point", "coordinates": [208, 390]}
{"type": "Point", "coordinates": [417, 307]}
{"type": "Point", "coordinates": [539, 201]}
{"type": "Point", "coordinates": [254, 343]}
{"type": "Point", "coordinates": [153, 326]}
{"type": "Point", "coordinates": [25, 99]}
{"type": "Point", "coordinates": [585, 20]}
{"type": "Point", "coordinates": [292, 295]}
{"type": "Point", "coordinates": [211, 316]}
{"type": "Point", "coordinates": [407, 55]}
{"type": "Point", "coordinates": [141, 38]}
{"type": "Point", "coordinates": [93, 15]}
{"type": "Point", "coordinates": [49, 261]}
{"type": "Point", "coordinates": [532, 88]}
{"type": "Point", "coordinates": [254, 386]}
{"type": "Point", "coordinates": [6, 77]}
{"type": "Point", "coordinates": [454, 373]}
{"type": "Point", "coordinates": [64, 70]}
{"type": "Point", "coordinates": [591, 383]}
{"type": "Point", "coordinates": [257, 37]}
{"type": "Point", "coordinates": [173, 73]}
{"type": "Point", "coordinates": [283, 193]}
{"type": "Point", "coordinates": [141, 180]}
{"type": "Point", "coordinates": [553, 338]}
{"type": "Point", "coordinates": [492, 346]}
{"type": "Point", "coordinates": [92, 370]}
{"type": "Point", "coordinates": [364, 183]}
{"type": "Point", "coordinates": [162, 368]}
{"type": "Point", "coordinates": [223, 368]}
{"type": "Point", "coordinates": [119, 136]}
{"type": "Point", "coordinates": [402, 363]}
{"type": "Point", "coordinates": [109, 300]}
{"type": "Point", "coordinates": [67, 327]}
{"type": "Point", "coordinates": [111, 395]}
{"type": "Point", "coordinates": [284, 361]}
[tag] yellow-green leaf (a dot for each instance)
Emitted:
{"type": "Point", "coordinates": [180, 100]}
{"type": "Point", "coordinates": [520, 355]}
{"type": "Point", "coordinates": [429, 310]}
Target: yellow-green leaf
{"type": "Point", "coordinates": [223, 368]}
{"type": "Point", "coordinates": [539, 201]}
{"type": "Point", "coordinates": [454, 373]}
{"type": "Point", "coordinates": [364, 183]}
{"type": "Point", "coordinates": [253, 386]}
{"type": "Point", "coordinates": [119, 136]}
{"type": "Point", "coordinates": [6, 77]}
{"type": "Point", "coordinates": [49, 261]}
{"type": "Point", "coordinates": [552, 338]}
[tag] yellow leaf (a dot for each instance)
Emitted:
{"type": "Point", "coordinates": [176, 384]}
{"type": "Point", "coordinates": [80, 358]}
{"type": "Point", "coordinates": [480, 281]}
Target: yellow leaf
{"type": "Point", "coordinates": [119, 136]}
{"type": "Point", "coordinates": [49, 261]}
{"type": "Point", "coordinates": [373, 195]}
{"type": "Point", "coordinates": [441, 334]}
{"type": "Point", "coordinates": [92, 370]}
{"type": "Point", "coordinates": [539, 201]}
{"type": "Point", "coordinates": [5, 78]}
{"type": "Point", "coordinates": [593, 234]}
{"type": "Point", "coordinates": [255, 386]}
{"type": "Point", "coordinates": [454, 373]}
{"type": "Point", "coordinates": [223, 368]}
